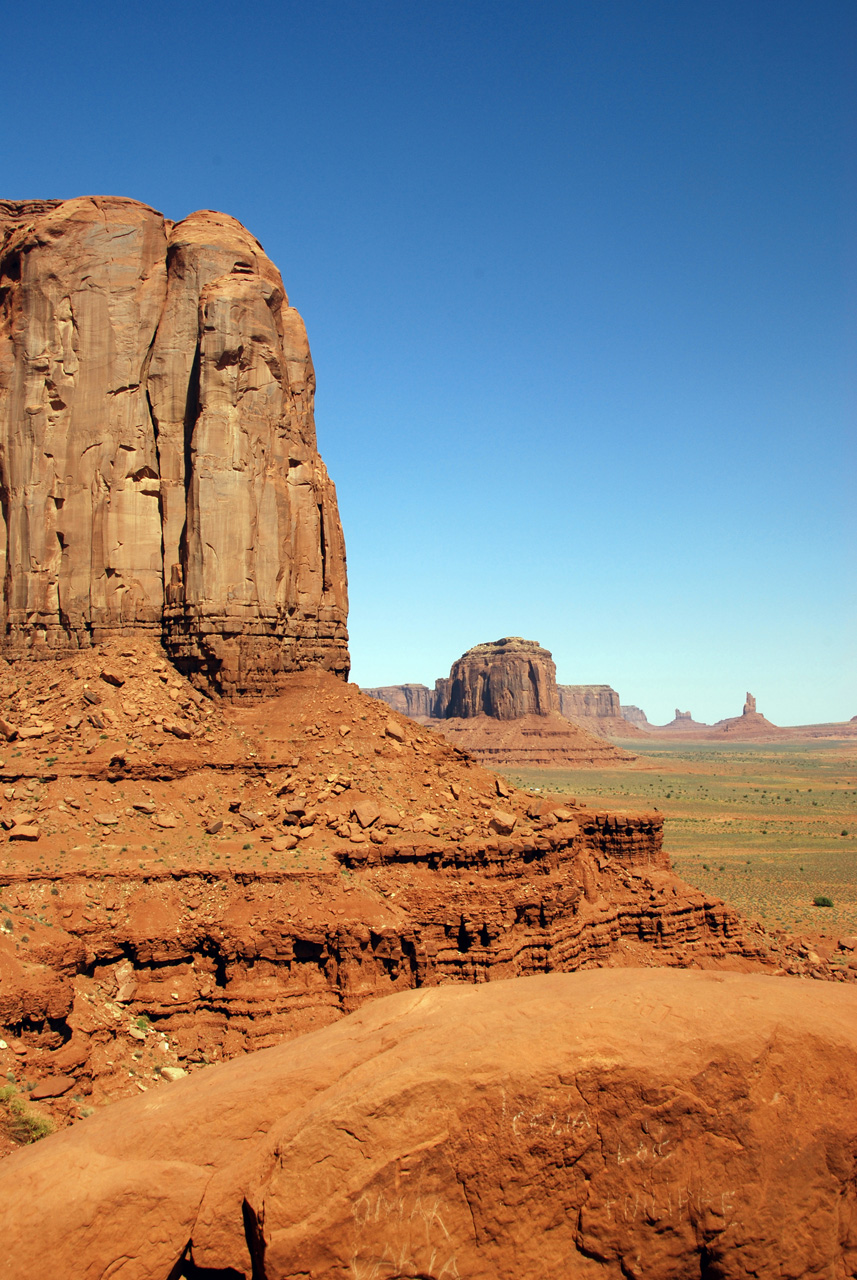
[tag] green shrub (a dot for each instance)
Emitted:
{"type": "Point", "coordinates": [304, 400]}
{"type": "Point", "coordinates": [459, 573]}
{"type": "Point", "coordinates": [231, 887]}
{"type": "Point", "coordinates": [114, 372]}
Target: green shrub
{"type": "Point", "coordinates": [24, 1125]}
{"type": "Point", "coordinates": [821, 901]}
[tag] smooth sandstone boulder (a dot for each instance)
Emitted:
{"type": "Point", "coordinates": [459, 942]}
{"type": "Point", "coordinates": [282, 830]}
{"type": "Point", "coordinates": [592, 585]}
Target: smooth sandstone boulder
{"type": "Point", "coordinates": [609, 1123]}
{"type": "Point", "coordinates": [158, 460]}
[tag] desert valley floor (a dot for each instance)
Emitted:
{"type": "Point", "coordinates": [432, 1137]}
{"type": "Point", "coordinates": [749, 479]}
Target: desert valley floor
{"type": "Point", "coordinates": [767, 826]}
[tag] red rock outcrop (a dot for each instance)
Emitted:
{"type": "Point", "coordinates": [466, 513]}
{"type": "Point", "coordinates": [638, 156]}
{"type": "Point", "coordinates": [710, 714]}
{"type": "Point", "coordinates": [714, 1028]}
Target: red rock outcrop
{"type": "Point", "coordinates": [595, 707]}
{"type": "Point", "coordinates": [530, 741]}
{"type": "Point", "coordinates": [635, 716]}
{"type": "Point", "coordinates": [589, 700]}
{"type": "Point", "coordinates": [509, 680]}
{"type": "Point", "coordinates": [653, 1124]}
{"type": "Point", "coordinates": [750, 723]}
{"type": "Point", "coordinates": [504, 679]}
{"type": "Point", "coordinates": [158, 462]}
{"type": "Point", "coordinates": [683, 723]}
{"type": "Point", "coordinates": [204, 878]}
{"type": "Point", "coordinates": [415, 700]}
{"type": "Point", "coordinates": [500, 703]}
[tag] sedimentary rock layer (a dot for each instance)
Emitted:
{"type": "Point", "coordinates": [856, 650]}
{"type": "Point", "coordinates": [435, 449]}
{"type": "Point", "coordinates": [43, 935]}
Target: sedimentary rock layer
{"type": "Point", "coordinates": [158, 461]}
{"type": "Point", "coordinates": [589, 700]}
{"type": "Point", "coordinates": [550, 741]}
{"type": "Point", "coordinates": [501, 703]}
{"type": "Point", "coordinates": [635, 716]}
{"type": "Point", "coordinates": [640, 1123]}
{"type": "Point", "coordinates": [504, 679]}
{"type": "Point", "coordinates": [415, 700]}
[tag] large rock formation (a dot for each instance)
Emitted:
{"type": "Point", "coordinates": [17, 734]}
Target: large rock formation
{"type": "Point", "coordinates": [683, 723]}
{"type": "Point", "coordinates": [501, 704]}
{"type": "Point", "coordinates": [504, 679]}
{"type": "Point", "coordinates": [508, 680]}
{"type": "Point", "coordinates": [595, 707]}
{"type": "Point", "coordinates": [415, 700]}
{"type": "Point", "coordinates": [635, 716]}
{"type": "Point", "coordinates": [654, 1124]}
{"type": "Point", "coordinates": [158, 462]}
{"type": "Point", "coordinates": [589, 701]}
{"type": "Point", "coordinates": [182, 880]}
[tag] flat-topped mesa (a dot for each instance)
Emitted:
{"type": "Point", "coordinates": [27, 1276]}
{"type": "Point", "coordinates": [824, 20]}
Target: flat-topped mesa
{"type": "Point", "coordinates": [414, 700]}
{"type": "Point", "coordinates": [158, 461]}
{"type": "Point", "coordinates": [504, 679]}
{"type": "Point", "coordinates": [598, 701]}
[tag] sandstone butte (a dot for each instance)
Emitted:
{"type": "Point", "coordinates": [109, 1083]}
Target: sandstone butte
{"type": "Point", "coordinates": [158, 462]}
{"type": "Point", "coordinates": [509, 679]}
{"type": "Point", "coordinates": [750, 726]}
{"type": "Point", "coordinates": [596, 709]}
{"type": "Point", "coordinates": [645, 1124]}
{"type": "Point", "coordinates": [211, 843]}
{"type": "Point", "coordinates": [501, 703]}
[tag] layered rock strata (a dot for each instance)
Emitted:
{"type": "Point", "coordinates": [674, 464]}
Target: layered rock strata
{"type": "Point", "coordinates": [508, 680]}
{"type": "Point", "coordinates": [593, 701]}
{"type": "Point", "coordinates": [635, 716]}
{"type": "Point", "coordinates": [415, 700]}
{"type": "Point", "coordinates": [501, 704]}
{"type": "Point", "coordinates": [549, 741]}
{"type": "Point", "coordinates": [504, 679]}
{"type": "Point", "coordinates": [635, 1123]}
{"type": "Point", "coordinates": [158, 461]}
{"type": "Point", "coordinates": [595, 707]}
{"type": "Point", "coordinates": [182, 880]}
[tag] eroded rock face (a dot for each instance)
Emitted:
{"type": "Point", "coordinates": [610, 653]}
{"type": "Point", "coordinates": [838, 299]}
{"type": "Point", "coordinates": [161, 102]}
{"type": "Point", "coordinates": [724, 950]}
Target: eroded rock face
{"type": "Point", "coordinates": [613, 1123]}
{"type": "Point", "coordinates": [589, 700]}
{"type": "Point", "coordinates": [414, 700]}
{"type": "Point", "coordinates": [158, 463]}
{"type": "Point", "coordinates": [504, 679]}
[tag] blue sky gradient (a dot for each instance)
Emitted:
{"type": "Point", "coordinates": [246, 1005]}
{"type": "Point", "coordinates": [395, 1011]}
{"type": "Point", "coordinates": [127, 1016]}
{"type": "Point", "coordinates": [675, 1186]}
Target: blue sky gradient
{"type": "Point", "coordinates": [579, 280]}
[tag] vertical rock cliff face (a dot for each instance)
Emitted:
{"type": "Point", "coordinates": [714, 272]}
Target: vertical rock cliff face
{"type": "Point", "coordinates": [636, 716]}
{"type": "Point", "coordinates": [158, 463]}
{"type": "Point", "coordinates": [410, 699]}
{"type": "Point", "coordinates": [504, 679]}
{"type": "Point", "coordinates": [589, 700]}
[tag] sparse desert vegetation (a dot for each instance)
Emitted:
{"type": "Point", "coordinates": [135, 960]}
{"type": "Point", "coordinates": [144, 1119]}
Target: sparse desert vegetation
{"type": "Point", "coordinates": [767, 827]}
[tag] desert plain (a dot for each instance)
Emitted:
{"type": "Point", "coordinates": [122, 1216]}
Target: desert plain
{"type": "Point", "coordinates": [766, 826]}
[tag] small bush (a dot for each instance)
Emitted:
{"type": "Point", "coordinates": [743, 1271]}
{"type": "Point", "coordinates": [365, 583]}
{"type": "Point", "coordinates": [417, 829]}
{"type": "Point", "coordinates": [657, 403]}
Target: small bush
{"type": "Point", "coordinates": [821, 901]}
{"type": "Point", "coordinates": [24, 1125]}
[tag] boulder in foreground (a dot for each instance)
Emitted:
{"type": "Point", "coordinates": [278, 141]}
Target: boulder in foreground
{"type": "Point", "coordinates": [635, 1123]}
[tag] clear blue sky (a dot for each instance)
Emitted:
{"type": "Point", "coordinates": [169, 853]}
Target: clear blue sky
{"type": "Point", "coordinates": [579, 280]}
